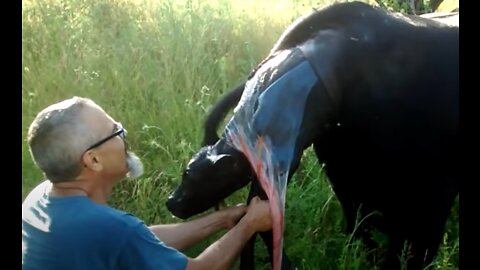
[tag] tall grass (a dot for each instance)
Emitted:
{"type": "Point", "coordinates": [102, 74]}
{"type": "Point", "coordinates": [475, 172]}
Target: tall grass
{"type": "Point", "coordinates": [158, 66]}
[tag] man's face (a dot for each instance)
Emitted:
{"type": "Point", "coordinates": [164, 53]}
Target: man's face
{"type": "Point", "coordinates": [111, 150]}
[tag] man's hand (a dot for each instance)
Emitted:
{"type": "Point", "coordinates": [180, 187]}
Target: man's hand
{"type": "Point", "coordinates": [232, 215]}
{"type": "Point", "coordinates": [222, 253]}
{"type": "Point", "coordinates": [259, 215]}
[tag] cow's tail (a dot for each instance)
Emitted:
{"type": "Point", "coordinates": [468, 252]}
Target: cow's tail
{"type": "Point", "coordinates": [218, 112]}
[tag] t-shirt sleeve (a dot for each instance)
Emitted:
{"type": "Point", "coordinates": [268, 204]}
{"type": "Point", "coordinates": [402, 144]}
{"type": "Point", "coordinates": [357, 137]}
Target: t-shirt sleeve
{"type": "Point", "coordinates": [143, 250]}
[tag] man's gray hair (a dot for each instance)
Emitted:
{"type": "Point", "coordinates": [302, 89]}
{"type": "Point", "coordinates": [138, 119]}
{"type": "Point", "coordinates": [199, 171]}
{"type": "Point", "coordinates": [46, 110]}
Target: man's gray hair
{"type": "Point", "coordinates": [57, 138]}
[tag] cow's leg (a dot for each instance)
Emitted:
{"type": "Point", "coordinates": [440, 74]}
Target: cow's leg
{"type": "Point", "coordinates": [268, 240]}
{"type": "Point", "coordinates": [360, 219]}
{"type": "Point", "coordinates": [416, 234]}
{"type": "Point", "coordinates": [412, 252]}
{"type": "Point", "coordinates": [247, 257]}
{"type": "Point", "coordinates": [339, 186]}
{"type": "Point", "coordinates": [418, 250]}
{"type": "Point", "coordinates": [350, 209]}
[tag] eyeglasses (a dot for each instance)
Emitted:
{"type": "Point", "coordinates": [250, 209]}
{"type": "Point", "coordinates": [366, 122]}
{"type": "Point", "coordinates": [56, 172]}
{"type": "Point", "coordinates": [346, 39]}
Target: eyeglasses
{"type": "Point", "coordinates": [119, 131]}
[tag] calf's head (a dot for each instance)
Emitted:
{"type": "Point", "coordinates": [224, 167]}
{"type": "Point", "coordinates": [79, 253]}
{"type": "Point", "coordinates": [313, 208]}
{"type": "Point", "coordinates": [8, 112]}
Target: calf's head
{"type": "Point", "coordinates": [212, 175]}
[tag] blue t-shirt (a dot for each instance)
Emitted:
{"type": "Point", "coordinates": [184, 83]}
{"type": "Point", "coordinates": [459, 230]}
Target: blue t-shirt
{"type": "Point", "coordinates": [69, 233]}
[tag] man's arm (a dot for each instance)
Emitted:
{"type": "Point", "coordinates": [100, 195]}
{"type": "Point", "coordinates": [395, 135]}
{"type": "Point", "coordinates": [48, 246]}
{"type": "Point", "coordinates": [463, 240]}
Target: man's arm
{"type": "Point", "coordinates": [183, 235]}
{"type": "Point", "coordinates": [221, 254]}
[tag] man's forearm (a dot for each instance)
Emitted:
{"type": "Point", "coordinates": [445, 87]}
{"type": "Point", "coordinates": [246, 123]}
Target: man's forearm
{"type": "Point", "coordinates": [183, 235]}
{"type": "Point", "coordinates": [221, 254]}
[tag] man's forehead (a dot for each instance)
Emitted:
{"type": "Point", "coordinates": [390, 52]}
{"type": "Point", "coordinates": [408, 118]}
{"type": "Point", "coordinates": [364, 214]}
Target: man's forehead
{"type": "Point", "coordinates": [99, 118]}
{"type": "Point", "coordinates": [62, 105]}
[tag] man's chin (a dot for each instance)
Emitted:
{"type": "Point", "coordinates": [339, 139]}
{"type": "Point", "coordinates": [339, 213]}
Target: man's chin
{"type": "Point", "coordinates": [134, 166]}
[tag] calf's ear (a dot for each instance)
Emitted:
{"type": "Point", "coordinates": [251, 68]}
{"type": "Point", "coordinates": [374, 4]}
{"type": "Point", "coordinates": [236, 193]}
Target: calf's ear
{"type": "Point", "coordinates": [221, 161]}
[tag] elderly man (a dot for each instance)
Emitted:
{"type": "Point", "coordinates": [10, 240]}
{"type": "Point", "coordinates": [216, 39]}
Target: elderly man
{"type": "Point", "coordinates": [67, 224]}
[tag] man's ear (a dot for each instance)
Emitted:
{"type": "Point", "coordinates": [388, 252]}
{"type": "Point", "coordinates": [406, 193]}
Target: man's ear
{"type": "Point", "coordinates": [92, 161]}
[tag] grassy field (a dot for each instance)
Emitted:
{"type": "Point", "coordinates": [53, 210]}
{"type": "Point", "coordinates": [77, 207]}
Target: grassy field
{"type": "Point", "coordinates": [158, 66]}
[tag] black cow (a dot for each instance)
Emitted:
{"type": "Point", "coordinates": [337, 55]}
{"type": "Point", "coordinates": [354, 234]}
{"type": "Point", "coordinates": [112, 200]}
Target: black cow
{"type": "Point", "coordinates": [382, 117]}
